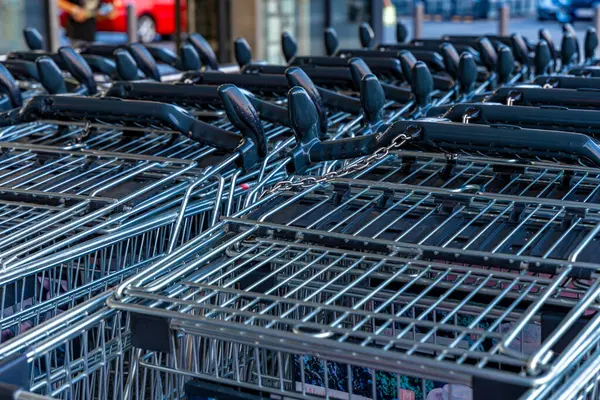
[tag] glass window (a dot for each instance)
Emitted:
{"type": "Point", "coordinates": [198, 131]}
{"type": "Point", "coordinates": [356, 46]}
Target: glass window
{"type": "Point", "coordinates": [16, 15]}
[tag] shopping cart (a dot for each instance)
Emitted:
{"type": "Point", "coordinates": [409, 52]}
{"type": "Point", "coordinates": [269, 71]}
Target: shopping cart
{"type": "Point", "coordinates": [360, 277]}
{"type": "Point", "coordinates": [80, 354]}
{"type": "Point", "coordinates": [525, 232]}
{"type": "Point", "coordinates": [128, 117]}
{"type": "Point", "coordinates": [15, 393]}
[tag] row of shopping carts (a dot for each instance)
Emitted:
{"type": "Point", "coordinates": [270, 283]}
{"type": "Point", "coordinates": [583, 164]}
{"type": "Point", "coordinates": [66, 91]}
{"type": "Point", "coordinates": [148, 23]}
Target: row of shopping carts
{"type": "Point", "coordinates": [416, 220]}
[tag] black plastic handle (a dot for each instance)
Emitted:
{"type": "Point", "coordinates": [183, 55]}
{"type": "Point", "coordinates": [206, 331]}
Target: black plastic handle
{"type": "Point", "coordinates": [358, 69]}
{"type": "Point", "coordinates": [50, 76]}
{"type": "Point", "coordinates": [568, 28]}
{"type": "Point", "coordinates": [401, 32]}
{"type": "Point", "coordinates": [136, 114]}
{"type": "Point", "coordinates": [99, 64]}
{"type": "Point", "coordinates": [366, 35]}
{"type": "Point", "coordinates": [145, 61]}
{"type": "Point", "coordinates": [274, 83]}
{"type": "Point", "coordinates": [467, 72]}
{"type": "Point", "coordinates": [537, 96]}
{"type": "Point", "coordinates": [545, 35]}
{"type": "Point", "coordinates": [205, 51]}
{"type": "Point", "coordinates": [296, 77]}
{"type": "Point", "coordinates": [506, 64]}
{"type": "Point", "coordinates": [190, 60]}
{"type": "Point", "coordinates": [243, 116]}
{"type": "Point", "coordinates": [507, 140]}
{"type": "Point", "coordinates": [582, 121]}
{"type": "Point", "coordinates": [175, 93]}
{"type": "Point", "coordinates": [568, 82]}
{"type": "Point", "coordinates": [126, 67]}
{"type": "Point", "coordinates": [331, 41]}
{"type": "Point", "coordinates": [520, 49]}
{"type": "Point", "coordinates": [190, 95]}
{"type": "Point", "coordinates": [33, 39]}
{"type": "Point", "coordinates": [488, 54]}
{"type": "Point", "coordinates": [22, 69]}
{"type": "Point", "coordinates": [451, 58]}
{"type": "Point", "coordinates": [78, 68]}
{"type": "Point", "coordinates": [543, 58]}
{"type": "Point", "coordinates": [421, 84]}
{"type": "Point", "coordinates": [568, 49]}
{"type": "Point", "coordinates": [9, 87]}
{"type": "Point", "coordinates": [163, 55]}
{"type": "Point", "coordinates": [289, 47]}
{"type": "Point", "coordinates": [243, 52]}
{"type": "Point", "coordinates": [591, 43]}
{"type": "Point", "coordinates": [407, 62]}
{"type": "Point", "coordinates": [372, 99]}
{"type": "Point", "coordinates": [372, 95]}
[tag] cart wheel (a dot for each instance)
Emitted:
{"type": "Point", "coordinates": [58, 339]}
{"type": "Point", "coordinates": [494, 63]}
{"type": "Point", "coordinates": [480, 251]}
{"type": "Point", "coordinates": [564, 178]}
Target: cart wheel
{"type": "Point", "coordinates": [146, 29]}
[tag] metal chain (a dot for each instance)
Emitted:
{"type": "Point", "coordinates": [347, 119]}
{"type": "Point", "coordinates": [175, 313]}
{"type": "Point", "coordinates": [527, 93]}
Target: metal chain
{"type": "Point", "coordinates": [360, 165]}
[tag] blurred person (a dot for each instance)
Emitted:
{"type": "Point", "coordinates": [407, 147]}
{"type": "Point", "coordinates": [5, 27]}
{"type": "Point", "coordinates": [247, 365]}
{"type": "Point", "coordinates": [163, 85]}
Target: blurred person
{"type": "Point", "coordinates": [82, 18]}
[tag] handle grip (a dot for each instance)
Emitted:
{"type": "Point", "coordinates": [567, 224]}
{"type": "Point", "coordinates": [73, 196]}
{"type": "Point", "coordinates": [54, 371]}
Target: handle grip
{"type": "Point", "coordinates": [190, 60]}
{"type": "Point", "coordinates": [506, 64]}
{"type": "Point", "coordinates": [488, 54]}
{"type": "Point", "coordinates": [297, 77]}
{"type": "Point", "coordinates": [163, 55]}
{"type": "Point", "coordinates": [568, 28]}
{"type": "Point", "coordinates": [144, 60]}
{"type": "Point", "coordinates": [467, 72]}
{"type": "Point", "coordinates": [50, 76]}
{"type": "Point", "coordinates": [543, 58]}
{"type": "Point", "coordinates": [101, 65]}
{"type": "Point", "coordinates": [9, 86]}
{"type": "Point", "coordinates": [33, 39]}
{"type": "Point", "coordinates": [243, 52]}
{"type": "Point", "coordinates": [591, 43]}
{"type": "Point", "coordinates": [126, 66]}
{"type": "Point", "coordinates": [358, 70]}
{"type": "Point", "coordinates": [422, 84]}
{"type": "Point", "coordinates": [331, 41]}
{"type": "Point", "coordinates": [366, 35]}
{"type": "Point", "coordinates": [205, 51]}
{"type": "Point", "coordinates": [243, 116]}
{"type": "Point", "coordinates": [401, 32]}
{"type": "Point", "coordinates": [582, 121]}
{"type": "Point", "coordinates": [289, 47]}
{"type": "Point", "coordinates": [126, 113]}
{"type": "Point", "coordinates": [190, 95]}
{"type": "Point", "coordinates": [274, 83]}
{"type": "Point", "coordinates": [80, 69]}
{"type": "Point", "coordinates": [568, 49]}
{"type": "Point", "coordinates": [451, 58]}
{"type": "Point", "coordinates": [520, 49]}
{"type": "Point", "coordinates": [407, 62]}
{"type": "Point", "coordinates": [545, 35]}
{"type": "Point", "coordinates": [452, 137]}
{"type": "Point", "coordinates": [567, 82]}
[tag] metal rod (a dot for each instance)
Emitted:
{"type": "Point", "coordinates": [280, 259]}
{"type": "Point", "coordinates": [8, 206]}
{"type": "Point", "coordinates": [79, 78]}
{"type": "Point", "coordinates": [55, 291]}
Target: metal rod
{"type": "Point", "coordinates": [503, 19]}
{"type": "Point", "coordinates": [53, 40]}
{"type": "Point", "coordinates": [131, 24]}
{"type": "Point", "coordinates": [418, 17]}
{"type": "Point", "coordinates": [178, 26]}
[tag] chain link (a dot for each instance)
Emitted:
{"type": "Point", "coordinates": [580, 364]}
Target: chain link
{"type": "Point", "coordinates": [360, 165]}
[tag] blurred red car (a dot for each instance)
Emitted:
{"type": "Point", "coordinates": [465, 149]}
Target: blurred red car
{"type": "Point", "coordinates": [154, 18]}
